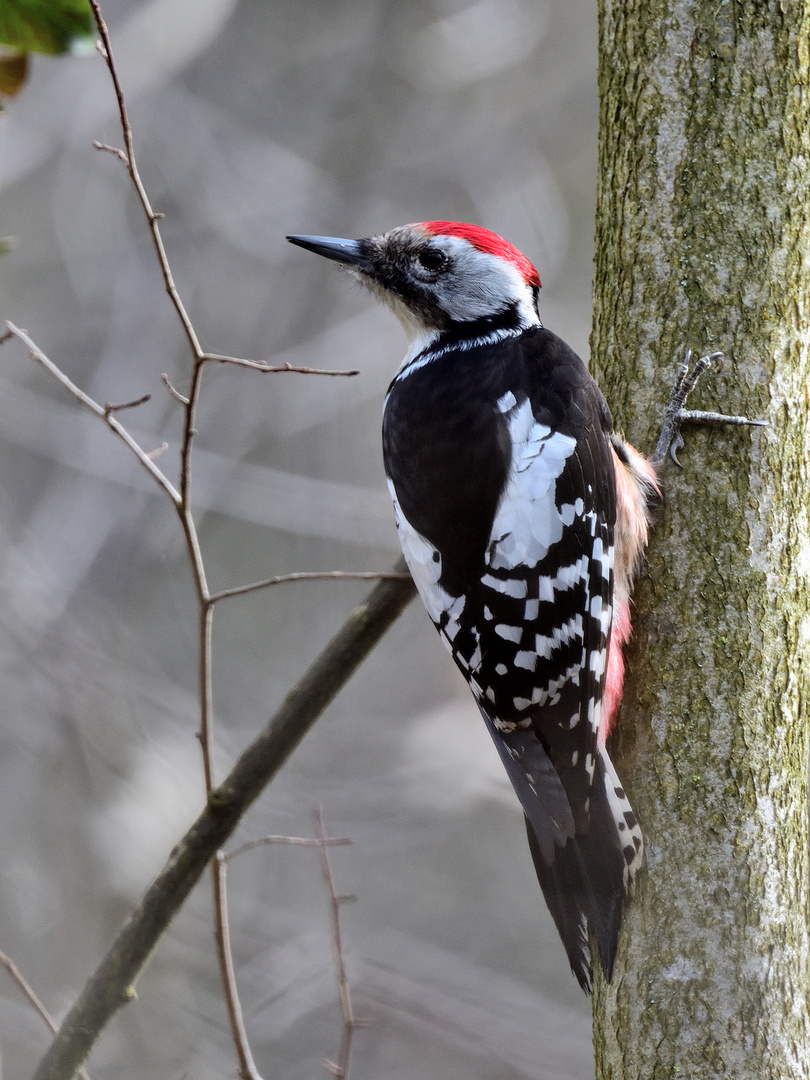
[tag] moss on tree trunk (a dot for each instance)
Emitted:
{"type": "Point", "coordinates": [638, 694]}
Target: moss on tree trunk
{"type": "Point", "coordinates": [703, 240]}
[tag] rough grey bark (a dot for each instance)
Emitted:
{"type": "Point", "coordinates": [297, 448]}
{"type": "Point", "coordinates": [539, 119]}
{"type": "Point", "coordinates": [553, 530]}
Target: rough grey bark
{"type": "Point", "coordinates": [703, 240]}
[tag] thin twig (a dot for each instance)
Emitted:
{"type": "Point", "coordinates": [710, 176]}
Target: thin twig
{"type": "Point", "coordinates": [247, 1066]}
{"type": "Point", "coordinates": [111, 408]}
{"type": "Point", "coordinates": [299, 841]}
{"type": "Point", "coordinates": [116, 151]}
{"type": "Point", "coordinates": [28, 992]}
{"type": "Point", "coordinates": [265, 368]}
{"type": "Point", "coordinates": [206, 733]}
{"type": "Point", "coordinates": [222, 936]}
{"type": "Point", "coordinates": [173, 390]}
{"type": "Point", "coordinates": [152, 220]}
{"type": "Point", "coordinates": [132, 168]}
{"type": "Point", "coordinates": [307, 575]}
{"type": "Point", "coordinates": [340, 1068]}
{"type": "Point", "coordinates": [100, 410]}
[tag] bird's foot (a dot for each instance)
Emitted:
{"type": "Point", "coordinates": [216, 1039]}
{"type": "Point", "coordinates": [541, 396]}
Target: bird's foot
{"type": "Point", "coordinates": [671, 440]}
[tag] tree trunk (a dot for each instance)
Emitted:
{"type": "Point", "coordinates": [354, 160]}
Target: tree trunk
{"type": "Point", "coordinates": [703, 240]}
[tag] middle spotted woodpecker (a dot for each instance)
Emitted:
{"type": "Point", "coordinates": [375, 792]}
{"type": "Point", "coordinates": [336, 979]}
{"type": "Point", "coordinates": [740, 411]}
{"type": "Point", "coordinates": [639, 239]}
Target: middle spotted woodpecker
{"type": "Point", "coordinates": [522, 517]}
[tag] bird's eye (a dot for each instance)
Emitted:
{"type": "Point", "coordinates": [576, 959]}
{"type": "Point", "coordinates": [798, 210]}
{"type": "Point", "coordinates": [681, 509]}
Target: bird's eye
{"type": "Point", "coordinates": [431, 259]}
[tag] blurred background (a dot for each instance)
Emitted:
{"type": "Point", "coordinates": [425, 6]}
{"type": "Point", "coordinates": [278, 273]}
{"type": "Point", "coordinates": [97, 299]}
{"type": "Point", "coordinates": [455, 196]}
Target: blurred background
{"type": "Point", "coordinates": [253, 119]}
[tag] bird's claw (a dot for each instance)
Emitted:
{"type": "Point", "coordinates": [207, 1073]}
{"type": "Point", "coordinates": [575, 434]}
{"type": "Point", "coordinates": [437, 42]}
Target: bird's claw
{"type": "Point", "coordinates": [676, 445]}
{"type": "Point", "coordinates": [671, 440]}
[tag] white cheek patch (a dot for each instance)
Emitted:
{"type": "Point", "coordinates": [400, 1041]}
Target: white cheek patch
{"type": "Point", "coordinates": [527, 521]}
{"type": "Point", "coordinates": [481, 283]}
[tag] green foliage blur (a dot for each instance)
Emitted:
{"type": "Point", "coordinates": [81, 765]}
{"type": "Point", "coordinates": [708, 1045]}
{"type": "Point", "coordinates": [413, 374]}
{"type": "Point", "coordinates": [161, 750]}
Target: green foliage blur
{"type": "Point", "coordinates": [47, 26]}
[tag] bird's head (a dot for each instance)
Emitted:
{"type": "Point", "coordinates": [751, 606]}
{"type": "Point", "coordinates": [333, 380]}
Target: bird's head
{"type": "Point", "coordinates": [439, 276]}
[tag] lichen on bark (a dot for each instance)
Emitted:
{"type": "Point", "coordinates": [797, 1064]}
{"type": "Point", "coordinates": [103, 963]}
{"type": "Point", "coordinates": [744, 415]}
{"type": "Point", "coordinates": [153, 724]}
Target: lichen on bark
{"type": "Point", "coordinates": [703, 240]}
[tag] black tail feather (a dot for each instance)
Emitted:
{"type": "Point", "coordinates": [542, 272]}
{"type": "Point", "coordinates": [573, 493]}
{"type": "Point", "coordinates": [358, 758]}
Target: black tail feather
{"type": "Point", "coordinates": [584, 864]}
{"type": "Point", "coordinates": [584, 885]}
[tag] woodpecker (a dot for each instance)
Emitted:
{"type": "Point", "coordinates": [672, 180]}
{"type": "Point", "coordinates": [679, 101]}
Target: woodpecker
{"type": "Point", "coordinates": [522, 516]}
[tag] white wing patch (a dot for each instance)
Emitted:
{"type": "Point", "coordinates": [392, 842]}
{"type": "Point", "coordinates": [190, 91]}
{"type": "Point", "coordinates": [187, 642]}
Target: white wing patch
{"type": "Point", "coordinates": [527, 521]}
{"type": "Point", "coordinates": [515, 587]}
{"type": "Point", "coordinates": [425, 564]}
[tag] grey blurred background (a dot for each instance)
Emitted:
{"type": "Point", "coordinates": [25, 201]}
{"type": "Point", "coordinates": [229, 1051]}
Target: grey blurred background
{"type": "Point", "coordinates": [253, 119]}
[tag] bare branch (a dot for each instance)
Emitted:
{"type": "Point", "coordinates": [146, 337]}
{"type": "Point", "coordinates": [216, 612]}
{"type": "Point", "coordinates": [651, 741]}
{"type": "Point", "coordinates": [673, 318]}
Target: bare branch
{"type": "Point", "coordinates": [110, 986]}
{"type": "Point", "coordinates": [110, 408]}
{"type": "Point", "coordinates": [128, 156]}
{"type": "Point", "coordinates": [189, 431]}
{"type": "Point", "coordinates": [104, 413]}
{"type": "Point", "coordinates": [28, 992]}
{"type": "Point", "coordinates": [340, 1068]}
{"type": "Point", "coordinates": [313, 575]}
{"type": "Point", "coordinates": [299, 841]}
{"type": "Point", "coordinates": [152, 218]}
{"type": "Point", "coordinates": [262, 366]}
{"type": "Point", "coordinates": [206, 733]}
{"type": "Point", "coordinates": [164, 378]}
{"type": "Point", "coordinates": [247, 1066]}
{"type": "Point", "coordinates": [116, 151]}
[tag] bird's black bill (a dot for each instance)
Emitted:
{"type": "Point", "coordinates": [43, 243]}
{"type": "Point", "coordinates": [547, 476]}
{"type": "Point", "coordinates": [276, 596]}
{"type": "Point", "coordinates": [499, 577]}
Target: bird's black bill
{"type": "Point", "coordinates": [349, 252]}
